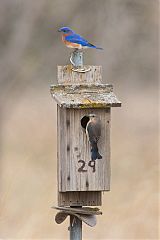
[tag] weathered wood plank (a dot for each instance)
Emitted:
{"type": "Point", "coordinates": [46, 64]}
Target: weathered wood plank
{"type": "Point", "coordinates": [93, 198]}
{"type": "Point", "coordinates": [85, 96]}
{"type": "Point", "coordinates": [76, 170]}
{"type": "Point", "coordinates": [67, 76]}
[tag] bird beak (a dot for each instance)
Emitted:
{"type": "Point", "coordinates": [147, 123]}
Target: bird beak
{"type": "Point", "coordinates": [59, 30]}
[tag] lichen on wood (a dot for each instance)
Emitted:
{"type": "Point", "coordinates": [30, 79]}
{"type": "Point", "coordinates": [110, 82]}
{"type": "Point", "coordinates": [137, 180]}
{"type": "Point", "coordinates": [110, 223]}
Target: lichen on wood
{"type": "Point", "coordinates": [85, 96]}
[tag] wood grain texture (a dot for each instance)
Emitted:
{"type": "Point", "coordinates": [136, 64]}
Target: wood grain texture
{"type": "Point", "coordinates": [93, 198]}
{"type": "Point", "coordinates": [80, 180]}
{"type": "Point", "coordinates": [67, 76]}
{"type": "Point", "coordinates": [85, 96]}
{"type": "Point", "coordinates": [74, 147]}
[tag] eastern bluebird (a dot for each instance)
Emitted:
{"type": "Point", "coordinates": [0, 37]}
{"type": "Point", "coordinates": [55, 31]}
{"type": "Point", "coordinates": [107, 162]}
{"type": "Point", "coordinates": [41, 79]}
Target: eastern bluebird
{"type": "Point", "coordinates": [93, 131]}
{"type": "Point", "coordinates": [73, 40]}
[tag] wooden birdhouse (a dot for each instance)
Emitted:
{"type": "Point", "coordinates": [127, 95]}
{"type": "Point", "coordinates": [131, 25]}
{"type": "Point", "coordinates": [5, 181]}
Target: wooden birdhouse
{"type": "Point", "coordinates": [79, 94]}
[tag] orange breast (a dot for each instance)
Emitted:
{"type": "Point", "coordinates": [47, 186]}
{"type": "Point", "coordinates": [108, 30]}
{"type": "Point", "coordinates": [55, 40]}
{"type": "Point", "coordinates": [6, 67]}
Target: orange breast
{"type": "Point", "coordinates": [70, 44]}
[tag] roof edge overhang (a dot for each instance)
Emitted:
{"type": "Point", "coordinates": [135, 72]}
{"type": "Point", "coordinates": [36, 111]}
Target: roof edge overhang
{"type": "Point", "coordinates": [84, 95]}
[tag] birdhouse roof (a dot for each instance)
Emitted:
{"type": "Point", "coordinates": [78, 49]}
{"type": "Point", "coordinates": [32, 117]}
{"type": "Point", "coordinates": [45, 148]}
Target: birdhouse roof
{"type": "Point", "coordinates": [85, 96]}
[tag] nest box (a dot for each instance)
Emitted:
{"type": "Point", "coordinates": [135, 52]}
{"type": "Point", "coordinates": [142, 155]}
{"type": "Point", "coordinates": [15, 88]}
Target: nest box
{"type": "Point", "coordinates": [80, 179]}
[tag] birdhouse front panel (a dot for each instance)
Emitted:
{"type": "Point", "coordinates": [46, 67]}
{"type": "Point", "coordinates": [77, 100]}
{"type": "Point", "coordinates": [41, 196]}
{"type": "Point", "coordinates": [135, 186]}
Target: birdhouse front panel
{"type": "Point", "coordinates": [77, 168]}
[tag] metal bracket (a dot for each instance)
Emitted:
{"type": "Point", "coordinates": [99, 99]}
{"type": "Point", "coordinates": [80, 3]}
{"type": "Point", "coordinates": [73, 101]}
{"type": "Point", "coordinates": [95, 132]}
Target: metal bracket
{"type": "Point", "coordinates": [76, 60]}
{"type": "Point", "coordinates": [81, 70]}
{"type": "Point", "coordinates": [84, 214]}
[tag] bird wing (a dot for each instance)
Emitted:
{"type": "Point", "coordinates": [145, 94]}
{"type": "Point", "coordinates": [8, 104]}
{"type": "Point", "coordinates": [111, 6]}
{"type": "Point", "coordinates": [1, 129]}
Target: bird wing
{"type": "Point", "coordinates": [75, 38]}
{"type": "Point", "coordinates": [93, 130]}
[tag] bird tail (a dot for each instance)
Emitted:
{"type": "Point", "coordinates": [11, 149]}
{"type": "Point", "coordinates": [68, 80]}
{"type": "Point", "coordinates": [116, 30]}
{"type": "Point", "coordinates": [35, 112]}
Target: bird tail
{"type": "Point", "coordinates": [99, 48]}
{"type": "Point", "coordinates": [94, 152]}
{"type": "Point", "coordinates": [93, 46]}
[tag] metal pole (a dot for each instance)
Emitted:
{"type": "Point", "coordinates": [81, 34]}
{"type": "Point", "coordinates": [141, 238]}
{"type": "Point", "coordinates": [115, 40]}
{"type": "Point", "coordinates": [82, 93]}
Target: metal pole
{"type": "Point", "coordinates": [77, 58]}
{"type": "Point", "coordinates": [75, 228]}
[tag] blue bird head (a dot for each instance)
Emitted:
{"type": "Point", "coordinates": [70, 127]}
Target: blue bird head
{"type": "Point", "coordinates": [65, 30]}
